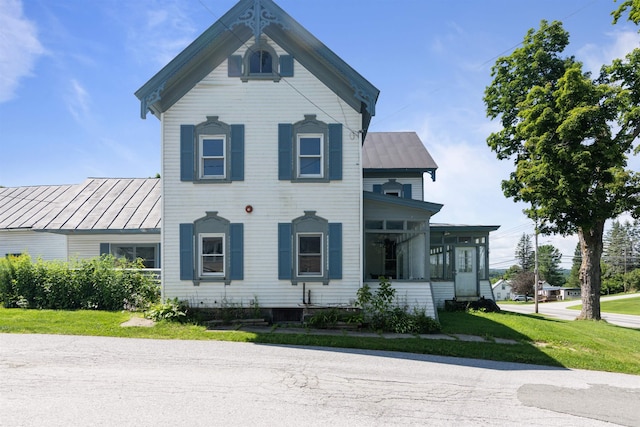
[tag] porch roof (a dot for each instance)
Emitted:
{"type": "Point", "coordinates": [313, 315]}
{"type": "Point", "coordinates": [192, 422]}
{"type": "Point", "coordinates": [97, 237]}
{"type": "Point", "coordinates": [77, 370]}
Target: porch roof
{"type": "Point", "coordinates": [398, 151]}
{"type": "Point", "coordinates": [463, 228]}
{"type": "Point", "coordinates": [432, 208]}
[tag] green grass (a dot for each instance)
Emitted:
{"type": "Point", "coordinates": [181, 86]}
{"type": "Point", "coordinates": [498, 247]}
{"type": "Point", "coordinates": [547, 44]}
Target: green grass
{"type": "Point", "coordinates": [543, 341]}
{"type": "Point", "coordinates": [617, 306]}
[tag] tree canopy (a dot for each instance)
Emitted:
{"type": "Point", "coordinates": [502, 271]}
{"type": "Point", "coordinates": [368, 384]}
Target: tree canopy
{"type": "Point", "coordinates": [568, 136]}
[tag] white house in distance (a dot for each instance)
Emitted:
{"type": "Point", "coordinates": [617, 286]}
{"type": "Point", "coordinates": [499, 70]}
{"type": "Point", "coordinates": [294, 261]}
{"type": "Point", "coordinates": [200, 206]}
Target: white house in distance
{"type": "Point", "coordinates": [502, 290]}
{"type": "Point", "coordinates": [267, 194]}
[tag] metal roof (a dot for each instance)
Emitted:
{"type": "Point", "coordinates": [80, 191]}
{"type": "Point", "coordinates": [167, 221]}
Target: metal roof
{"type": "Point", "coordinates": [396, 150]}
{"type": "Point", "coordinates": [98, 204]}
{"type": "Point", "coordinates": [21, 207]}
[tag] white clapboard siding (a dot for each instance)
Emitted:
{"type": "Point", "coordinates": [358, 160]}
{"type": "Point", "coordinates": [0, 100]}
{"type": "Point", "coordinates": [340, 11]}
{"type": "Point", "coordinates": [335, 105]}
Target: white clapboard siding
{"type": "Point", "coordinates": [442, 291]}
{"type": "Point", "coordinates": [84, 246]}
{"type": "Point", "coordinates": [417, 186]}
{"type": "Point", "coordinates": [47, 246]}
{"type": "Point", "coordinates": [485, 290]}
{"type": "Point", "coordinates": [260, 106]}
{"type": "Point", "coordinates": [413, 295]}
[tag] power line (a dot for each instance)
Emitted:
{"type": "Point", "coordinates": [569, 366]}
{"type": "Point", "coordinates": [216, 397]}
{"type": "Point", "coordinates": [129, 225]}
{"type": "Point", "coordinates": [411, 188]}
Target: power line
{"type": "Point", "coordinates": [249, 48]}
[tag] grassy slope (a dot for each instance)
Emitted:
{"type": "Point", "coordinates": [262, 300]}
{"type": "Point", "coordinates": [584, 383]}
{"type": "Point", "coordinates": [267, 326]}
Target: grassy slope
{"type": "Point", "coordinates": [618, 306]}
{"type": "Point", "coordinates": [577, 344]}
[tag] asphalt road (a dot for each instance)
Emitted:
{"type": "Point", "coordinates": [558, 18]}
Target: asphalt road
{"type": "Point", "coordinates": [48, 380]}
{"type": "Point", "coordinates": [559, 310]}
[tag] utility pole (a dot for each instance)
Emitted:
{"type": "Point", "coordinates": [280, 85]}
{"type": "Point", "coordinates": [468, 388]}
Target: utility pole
{"type": "Point", "coordinates": [535, 270]}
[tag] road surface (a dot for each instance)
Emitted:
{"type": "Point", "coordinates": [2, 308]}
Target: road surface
{"type": "Point", "coordinates": [559, 310]}
{"type": "Point", "coordinates": [50, 380]}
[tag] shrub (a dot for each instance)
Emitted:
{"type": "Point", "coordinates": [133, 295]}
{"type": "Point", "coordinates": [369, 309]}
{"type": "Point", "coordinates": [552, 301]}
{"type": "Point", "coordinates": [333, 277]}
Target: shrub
{"type": "Point", "coordinates": [171, 310]}
{"type": "Point", "coordinates": [382, 312]}
{"type": "Point", "coordinates": [329, 319]}
{"type": "Point", "coordinates": [103, 283]}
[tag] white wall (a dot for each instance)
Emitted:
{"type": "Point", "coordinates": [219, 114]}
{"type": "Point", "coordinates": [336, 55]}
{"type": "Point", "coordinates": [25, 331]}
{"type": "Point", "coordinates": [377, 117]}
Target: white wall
{"type": "Point", "coordinates": [48, 246]}
{"type": "Point", "coordinates": [83, 246]}
{"type": "Point", "coordinates": [261, 106]}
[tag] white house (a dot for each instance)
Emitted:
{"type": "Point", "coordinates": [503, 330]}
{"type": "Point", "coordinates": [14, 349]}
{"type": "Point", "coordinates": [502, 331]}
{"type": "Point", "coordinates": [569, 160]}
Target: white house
{"type": "Point", "coordinates": [502, 290]}
{"type": "Point", "coordinates": [101, 215]}
{"type": "Point", "coordinates": [267, 194]}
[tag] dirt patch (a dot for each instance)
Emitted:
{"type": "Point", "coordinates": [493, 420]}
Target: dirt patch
{"type": "Point", "coordinates": [140, 322]}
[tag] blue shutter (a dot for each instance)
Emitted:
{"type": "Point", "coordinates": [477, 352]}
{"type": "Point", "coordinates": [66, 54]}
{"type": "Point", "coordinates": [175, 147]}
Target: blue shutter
{"type": "Point", "coordinates": [237, 152]}
{"type": "Point", "coordinates": [105, 249]}
{"type": "Point", "coordinates": [335, 250]}
{"type": "Point", "coordinates": [335, 151]}
{"type": "Point", "coordinates": [286, 66]}
{"type": "Point", "coordinates": [377, 188]}
{"type": "Point", "coordinates": [234, 66]}
{"type": "Point", "coordinates": [285, 151]}
{"type": "Point", "coordinates": [158, 256]}
{"type": "Point", "coordinates": [236, 250]}
{"type": "Point", "coordinates": [406, 191]}
{"type": "Point", "coordinates": [187, 150]}
{"type": "Point", "coordinates": [186, 251]}
{"type": "Point", "coordinates": [284, 251]}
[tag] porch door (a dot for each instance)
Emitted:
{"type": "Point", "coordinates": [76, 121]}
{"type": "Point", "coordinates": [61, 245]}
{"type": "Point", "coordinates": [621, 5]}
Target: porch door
{"type": "Point", "coordinates": [466, 272]}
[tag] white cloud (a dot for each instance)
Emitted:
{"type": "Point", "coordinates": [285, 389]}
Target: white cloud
{"type": "Point", "coordinates": [19, 47]}
{"type": "Point", "coordinates": [78, 102]}
{"type": "Point", "coordinates": [621, 43]}
{"type": "Point", "coordinates": [159, 30]}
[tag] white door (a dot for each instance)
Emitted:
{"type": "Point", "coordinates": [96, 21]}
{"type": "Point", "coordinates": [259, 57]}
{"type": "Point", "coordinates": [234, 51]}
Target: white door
{"type": "Point", "coordinates": [466, 274]}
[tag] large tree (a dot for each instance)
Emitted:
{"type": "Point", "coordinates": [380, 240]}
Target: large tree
{"type": "Point", "coordinates": [568, 136]}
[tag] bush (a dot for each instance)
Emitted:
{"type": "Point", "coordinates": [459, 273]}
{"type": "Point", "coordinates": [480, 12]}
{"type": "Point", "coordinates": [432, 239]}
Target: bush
{"type": "Point", "coordinates": [103, 283]}
{"type": "Point", "coordinates": [171, 310]}
{"type": "Point", "coordinates": [382, 312]}
{"type": "Point", "coordinates": [329, 319]}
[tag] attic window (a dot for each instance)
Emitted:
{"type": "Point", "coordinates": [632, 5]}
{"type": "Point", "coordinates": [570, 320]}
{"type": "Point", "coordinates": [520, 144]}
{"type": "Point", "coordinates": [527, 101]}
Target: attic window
{"type": "Point", "coordinates": [260, 62]}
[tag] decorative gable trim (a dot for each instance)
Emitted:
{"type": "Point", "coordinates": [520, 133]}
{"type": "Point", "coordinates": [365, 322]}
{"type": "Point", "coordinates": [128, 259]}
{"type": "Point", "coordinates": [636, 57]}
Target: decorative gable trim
{"type": "Point", "coordinates": [258, 16]}
{"type": "Point", "coordinates": [233, 30]}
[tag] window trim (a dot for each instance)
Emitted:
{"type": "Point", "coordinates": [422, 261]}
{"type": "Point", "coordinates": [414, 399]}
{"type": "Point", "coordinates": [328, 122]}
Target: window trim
{"type": "Point", "coordinates": [260, 46]}
{"type": "Point", "coordinates": [154, 246]}
{"type": "Point", "coordinates": [202, 157]}
{"type": "Point", "coordinates": [201, 272]}
{"type": "Point", "coordinates": [300, 156]}
{"type": "Point", "coordinates": [298, 254]}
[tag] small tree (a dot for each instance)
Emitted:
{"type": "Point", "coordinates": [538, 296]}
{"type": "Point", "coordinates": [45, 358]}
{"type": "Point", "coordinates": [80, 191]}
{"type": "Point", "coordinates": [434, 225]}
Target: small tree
{"type": "Point", "coordinates": [525, 254]}
{"type": "Point", "coordinates": [549, 258]}
{"type": "Point", "coordinates": [522, 283]}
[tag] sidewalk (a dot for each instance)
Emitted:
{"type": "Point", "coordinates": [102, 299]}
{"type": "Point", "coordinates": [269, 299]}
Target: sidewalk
{"type": "Point", "coordinates": [353, 333]}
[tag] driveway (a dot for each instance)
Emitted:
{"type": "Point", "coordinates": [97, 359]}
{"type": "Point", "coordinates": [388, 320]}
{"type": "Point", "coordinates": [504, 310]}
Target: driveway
{"type": "Point", "coordinates": [560, 310]}
{"type": "Point", "coordinates": [49, 380]}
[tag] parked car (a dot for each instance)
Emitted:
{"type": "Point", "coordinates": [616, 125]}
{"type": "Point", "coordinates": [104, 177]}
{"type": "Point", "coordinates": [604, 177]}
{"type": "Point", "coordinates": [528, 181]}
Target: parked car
{"type": "Point", "coordinates": [524, 298]}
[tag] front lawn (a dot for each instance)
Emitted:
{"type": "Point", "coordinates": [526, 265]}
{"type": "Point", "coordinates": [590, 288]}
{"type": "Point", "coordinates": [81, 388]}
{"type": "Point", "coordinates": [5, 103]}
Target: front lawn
{"type": "Point", "coordinates": [542, 341]}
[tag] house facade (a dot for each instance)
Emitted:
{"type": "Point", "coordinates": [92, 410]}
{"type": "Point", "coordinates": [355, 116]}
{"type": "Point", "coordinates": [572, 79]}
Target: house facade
{"type": "Point", "coordinates": [268, 196]}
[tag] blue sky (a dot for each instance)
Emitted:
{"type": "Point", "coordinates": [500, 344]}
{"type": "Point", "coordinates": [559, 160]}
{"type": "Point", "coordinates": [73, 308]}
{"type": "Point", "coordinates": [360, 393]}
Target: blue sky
{"type": "Point", "coordinates": [69, 68]}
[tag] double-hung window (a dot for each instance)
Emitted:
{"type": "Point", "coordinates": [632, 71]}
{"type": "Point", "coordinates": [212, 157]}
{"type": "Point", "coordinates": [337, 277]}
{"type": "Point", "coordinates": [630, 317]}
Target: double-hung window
{"type": "Point", "coordinates": [310, 254]}
{"type": "Point", "coordinates": [310, 151]}
{"type": "Point", "coordinates": [147, 253]}
{"type": "Point", "coordinates": [212, 158]}
{"type": "Point", "coordinates": [211, 250]}
{"type": "Point", "coordinates": [211, 254]}
{"type": "Point", "coordinates": [310, 155]}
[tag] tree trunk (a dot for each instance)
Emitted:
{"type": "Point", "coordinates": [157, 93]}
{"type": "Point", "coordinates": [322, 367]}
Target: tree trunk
{"type": "Point", "coordinates": [590, 274]}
